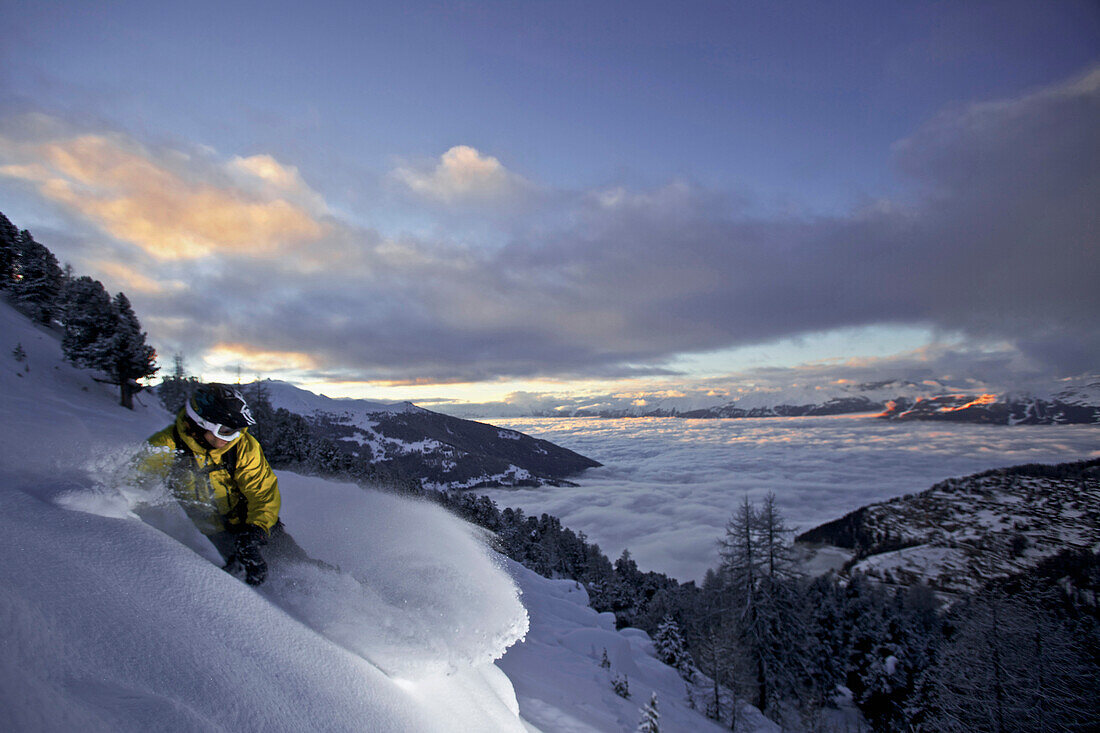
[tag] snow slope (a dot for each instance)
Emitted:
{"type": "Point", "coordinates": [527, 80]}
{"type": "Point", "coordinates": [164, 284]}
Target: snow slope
{"type": "Point", "coordinates": [562, 687]}
{"type": "Point", "coordinates": [114, 623]}
{"type": "Point", "coordinates": [963, 532]}
{"type": "Point", "coordinates": [114, 614]}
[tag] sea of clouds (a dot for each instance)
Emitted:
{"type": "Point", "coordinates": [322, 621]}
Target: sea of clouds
{"type": "Point", "coordinates": [668, 486]}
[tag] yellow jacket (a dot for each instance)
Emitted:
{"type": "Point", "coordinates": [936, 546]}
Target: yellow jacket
{"type": "Point", "coordinates": [200, 478]}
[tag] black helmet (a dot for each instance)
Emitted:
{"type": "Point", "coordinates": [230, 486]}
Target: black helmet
{"type": "Point", "coordinates": [220, 409]}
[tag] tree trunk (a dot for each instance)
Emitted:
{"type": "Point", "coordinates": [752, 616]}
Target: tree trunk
{"type": "Point", "coordinates": [998, 672]}
{"type": "Point", "coordinates": [125, 390]}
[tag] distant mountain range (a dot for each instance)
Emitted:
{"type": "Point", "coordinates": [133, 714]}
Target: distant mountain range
{"type": "Point", "coordinates": [1070, 406]}
{"type": "Point", "coordinates": [440, 451]}
{"type": "Point", "coordinates": [964, 532]}
{"type": "Point", "coordinates": [891, 400]}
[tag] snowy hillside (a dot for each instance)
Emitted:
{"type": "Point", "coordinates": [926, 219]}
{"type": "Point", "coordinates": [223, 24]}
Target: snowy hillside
{"type": "Point", "coordinates": [438, 451]}
{"type": "Point", "coordinates": [118, 618]}
{"type": "Point", "coordinates": [963, 532]}
{"type": "Point", "coordinates": [304, 402]}
{"type": "Point", "coordinates": [114, 623]}
{"type": "Point", "coordinates": [562, 687]}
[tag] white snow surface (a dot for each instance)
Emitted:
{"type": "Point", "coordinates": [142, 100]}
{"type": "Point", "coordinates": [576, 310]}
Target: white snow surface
{"type": "Point", "coordinates": [115, 614]}
{"type": "Point", "coordinates": [562, 687]}
{"type": "Point", "coordinates": [303, 402]}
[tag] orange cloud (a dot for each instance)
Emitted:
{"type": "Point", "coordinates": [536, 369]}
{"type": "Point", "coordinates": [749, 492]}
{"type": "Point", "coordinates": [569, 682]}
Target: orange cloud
{"type": "Point", "coordinates": [253, 359]}
{"type": "Point", "coordinates": [132, 280]}
{"type": "Point", "coordinates": [169, 204]}
{"type": "Point", "coordinates": [278, 180]}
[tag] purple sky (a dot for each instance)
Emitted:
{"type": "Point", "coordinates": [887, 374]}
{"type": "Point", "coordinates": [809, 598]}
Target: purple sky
{"type": "Point", "coordinates": [460, 200]}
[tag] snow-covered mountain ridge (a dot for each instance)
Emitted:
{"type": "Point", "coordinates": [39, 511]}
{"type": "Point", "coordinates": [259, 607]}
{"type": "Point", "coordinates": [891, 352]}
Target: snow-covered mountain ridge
{"type": "Point", "coordinates": [824, 399]}
{"type": "Point", "coordinates": [963, 532]}
{"type": "Point", "coordinates": [436, 450]}
{"type": "Point", "coordinates": [1074, 405]}
{"type": "Point", "coordinates": [1059, 403]}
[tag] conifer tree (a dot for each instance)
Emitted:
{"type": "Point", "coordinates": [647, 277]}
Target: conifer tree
{"type": "Point", "coordinates": [36, 289]}
{"type": "Point", "coordinates": [671, 649]}
{"type": "Point", "coordinates": [1012, 666]}
{"type": "Point", "coordinates": [105, 334]}
{"type": "Point", "coordinates": [825, 654]}
{"type": "Point", "coordinates": [739, 550]}
{"type": "Point", "coordinates": [651, 719]}
{"type": "Point", "coordinates": [765, 613]}
{"type": "Point", "coordinates": [258, 397]}
{"type": "Point", "coordinates": [774, 538]}
{"type": "Point", "coordinates": [132, 358]}
{"type": "Point", "coordinates": [89, 323]}
{"type": "Point", "coordinates": [720, 661]}
{"type": "Point", "coordinates": [9, 251]}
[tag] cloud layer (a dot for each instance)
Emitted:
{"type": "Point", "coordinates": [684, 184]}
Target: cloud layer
{"type": "Point", "coordinates": [668, 486]}
{"type": "Point", "coordinates": [997, 241]}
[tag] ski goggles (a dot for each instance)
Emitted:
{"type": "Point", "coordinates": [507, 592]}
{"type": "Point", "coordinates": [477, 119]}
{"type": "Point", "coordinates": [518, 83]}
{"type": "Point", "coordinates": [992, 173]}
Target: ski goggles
{"type": "Point", "coordinates": [221, 431]}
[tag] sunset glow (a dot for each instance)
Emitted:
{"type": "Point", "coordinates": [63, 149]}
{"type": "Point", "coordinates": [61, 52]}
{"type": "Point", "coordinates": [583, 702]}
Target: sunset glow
{"type": "Point", "coordinates": [541, 205]}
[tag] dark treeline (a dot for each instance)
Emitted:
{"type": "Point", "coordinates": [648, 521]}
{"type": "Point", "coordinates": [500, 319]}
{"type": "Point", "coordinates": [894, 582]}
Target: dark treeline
{"type": "Point", "coordinates": [99, 332]}
{"type": "Point", "coordinates": [1021, 655]}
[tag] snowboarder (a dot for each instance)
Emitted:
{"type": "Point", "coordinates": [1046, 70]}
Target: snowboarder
{"type": "Point", "coordinates": [218, 473]}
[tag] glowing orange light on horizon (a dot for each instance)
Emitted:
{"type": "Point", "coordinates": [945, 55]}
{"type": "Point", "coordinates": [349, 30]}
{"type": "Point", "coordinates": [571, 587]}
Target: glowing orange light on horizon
{"type": "Point", "coordinates": [985, 399]}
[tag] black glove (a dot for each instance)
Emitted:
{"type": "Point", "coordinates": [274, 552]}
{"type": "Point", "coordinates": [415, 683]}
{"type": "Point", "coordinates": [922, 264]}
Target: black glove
{"type": "Point", "coordinates": [249, 541]}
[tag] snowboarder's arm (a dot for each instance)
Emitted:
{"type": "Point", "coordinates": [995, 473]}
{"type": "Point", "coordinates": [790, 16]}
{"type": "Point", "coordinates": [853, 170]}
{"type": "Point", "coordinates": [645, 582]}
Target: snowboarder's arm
{"type": "Point", "coordinates": [258, 483]}
{"type": "Point", "coordinates": [155, 459]}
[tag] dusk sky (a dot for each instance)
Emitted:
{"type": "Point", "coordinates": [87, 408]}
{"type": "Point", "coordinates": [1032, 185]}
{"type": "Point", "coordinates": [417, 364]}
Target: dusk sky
{"type": "Point", "coordinates": [493, 201]}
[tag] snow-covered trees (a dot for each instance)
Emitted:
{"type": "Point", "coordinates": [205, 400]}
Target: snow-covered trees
{"type": "Point", "coordinates": [651, 717]}
{"type": "Point", "coordinates": [9, 251]}
{"type": "Point", "coordinates": [131, 358]}
{"type": "Point", "coordinates": [38, 279]}
{"type": "Point", "coordinates": [671, 650]}
{"type": "Point", "coordinates": [104, 334]}
{"type": "Point", "coordinates": [89, 322]}
{"type": "Point", "coordinates": [99, 333]}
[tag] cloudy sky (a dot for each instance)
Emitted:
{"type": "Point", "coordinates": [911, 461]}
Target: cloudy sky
{"type": "Point", "coordinates": [466, 201]}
